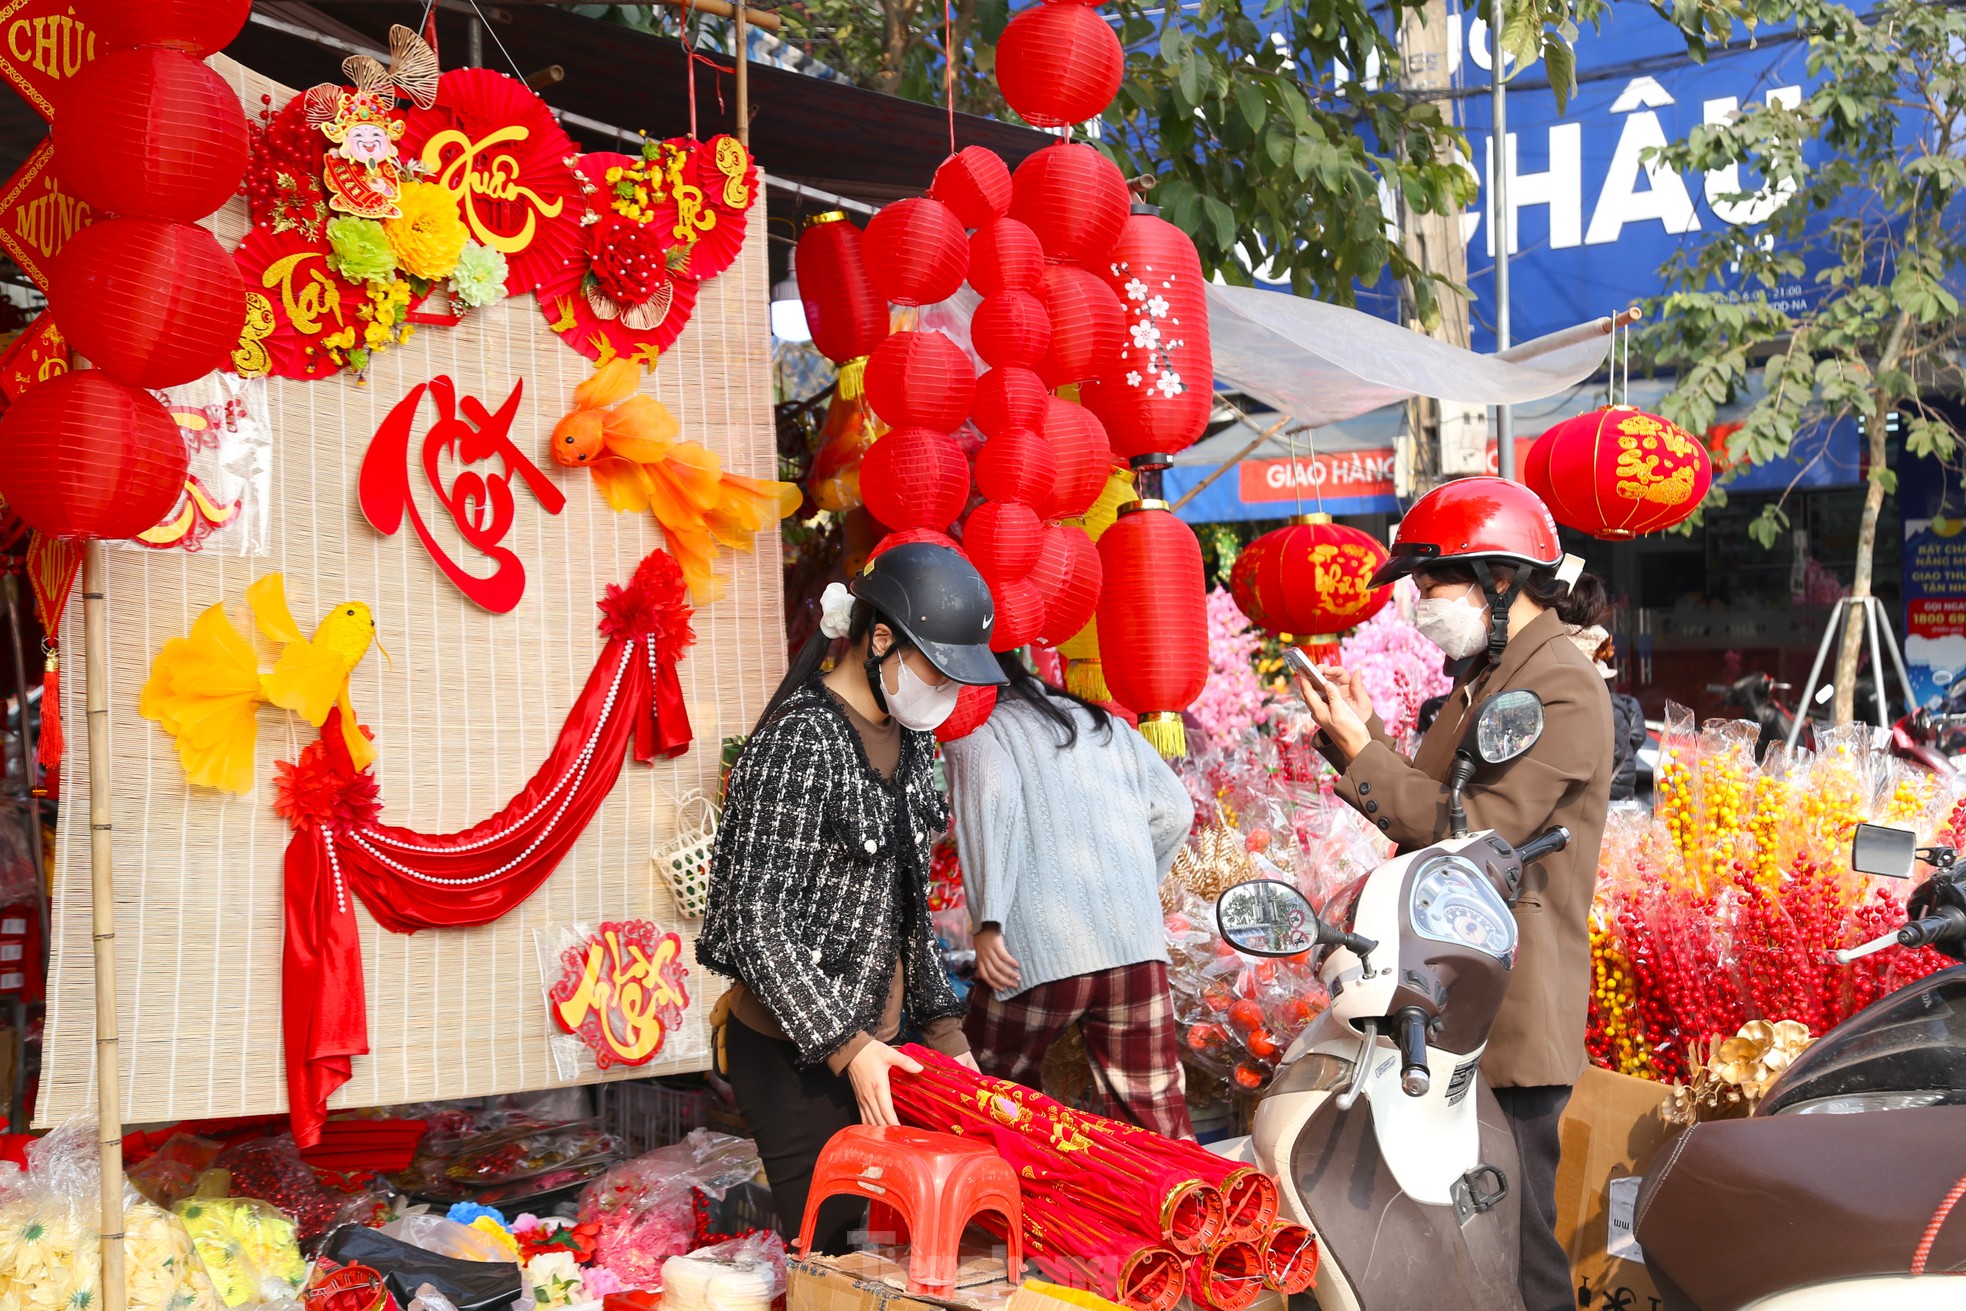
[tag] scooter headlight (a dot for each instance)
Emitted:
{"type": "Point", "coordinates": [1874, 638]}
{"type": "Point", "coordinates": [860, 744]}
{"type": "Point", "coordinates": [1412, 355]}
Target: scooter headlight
{"type": "Point", "coordinates": [1452, 902]}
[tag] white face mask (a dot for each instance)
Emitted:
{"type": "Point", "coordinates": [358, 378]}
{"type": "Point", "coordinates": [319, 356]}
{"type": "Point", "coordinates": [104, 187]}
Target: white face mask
{"type": "Point", "coordinates": [1458, 626]}
{"type": "Point", "coordinates": [915, 703]}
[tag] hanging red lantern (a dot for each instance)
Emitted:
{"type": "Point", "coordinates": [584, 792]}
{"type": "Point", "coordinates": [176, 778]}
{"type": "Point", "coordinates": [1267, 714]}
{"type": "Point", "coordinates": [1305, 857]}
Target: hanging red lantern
{"type": "Point", "coordinates": [196, 27]}
{"type": "Point", "coordinates": [1005, 256]}
{"type": "Point", "coordinates": [1011, 327]}
{"type": "Point", "coordinates": [150, 303]}
{"type": "Point", "coordinates": [917, 252]}
{"type": "Point", "coordinates": [1067, 574]}
{"type": "Point", "coordinates": [846, 316]}
{"type": "Point", "coordinates": [1016, 464]}
{"type": "Point", "coordinates": [1059, 64]}
{"type": "Point", "coordinates": [1086, 322]}
{"type": "Point", "coordinates": [1083, 458]}
{"type": "Point", "coordinates": [84, 455]}
{"type": "Point", "coordinates": [973, 708]}
{"type": "Point", "coordinates": [920, 380]}
{"type": "Point", "coordinates": [1155, 393]}
{"type": "Point", "coordinates": [1307, 583]}
{"type": "Point", "coordinates": [915, 478]}
{"type": "Point", "coordinates": [1003, 539]}
{"type": "Point", "coordinates": [172, 117]}
{"type": "Point", "coordinates": [1074, 198]}
{"type": "Point", "coordinates": [1153, 620]}
{"type": "Point", "coordinates": [975, 184]}
{"type": "Point", "coordinates": [1020, 613]}
{"type": "Point", "coordinates": [909, 536]}
{"type": "Point", "coordinates": [1618, 472]}
{"type": "Point", "coordinates": [1006, 398]}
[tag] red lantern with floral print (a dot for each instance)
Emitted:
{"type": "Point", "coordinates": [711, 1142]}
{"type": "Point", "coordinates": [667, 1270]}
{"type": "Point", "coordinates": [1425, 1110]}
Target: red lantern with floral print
{"type": "Point", "coordinates": [915, 478]}
{"type": "Point", "coordinates": [1307, 583]}
{"type": "Point", "coordinates": [1074, 198]}
{"type": "Point", "coordinates": [1618, 472]}
{"type": "Point", "coordinates": [1059, 64]}
{"type": "Point", "coordinates": [917, 252]}
{"type": "Point", "coordinates": [1153, 619]}
{"type": "Point", "coordinates": [1156, 392]}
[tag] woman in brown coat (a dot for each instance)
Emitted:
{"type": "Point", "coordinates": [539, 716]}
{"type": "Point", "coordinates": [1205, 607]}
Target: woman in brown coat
{"type": "Point", "coordinates": [1497, 592]}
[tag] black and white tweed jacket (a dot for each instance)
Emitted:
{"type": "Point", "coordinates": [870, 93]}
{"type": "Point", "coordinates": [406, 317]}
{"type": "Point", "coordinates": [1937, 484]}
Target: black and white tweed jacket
{"type": "Point", "coordinates": [820, 877]}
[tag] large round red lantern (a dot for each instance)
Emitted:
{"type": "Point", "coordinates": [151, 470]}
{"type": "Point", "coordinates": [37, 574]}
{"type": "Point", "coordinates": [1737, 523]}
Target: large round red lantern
{"type": "Point", "coordinates": [1082, 455]}
{"type": "Point", "coordinates": [1006, 398]}
{"type": "Point", "coordinates": [1618, 472]}
{"type": "Point", "coordinates": [1059, 64]}
{"type": "Point", "coordinates": [1016, 464]}
{"type": "Point", "coordinates": [847, 317]}
{"type": "Point", "coordinates": [973, 708]}
{"type": "Point", "coordinates": [920, 380]}
{"type": "Point", "coordinates": [1067, 575]}
{"type": "Point", "coordinates": [1156, 392]}
{"type": "Point", "coordinates": [1011, 327]}
{"type": "Point", "coordinates": [909, 536]}
{"type": "Point", "coordinates": [83, 455]}
{"type": "Point", "coordinates": [975, 184]}
{"type": "Point", "coordinates": [915, 478]}
{"type": "Point", "coordinates": [1003, 539]}
{"type": "Point", "coordinates": [196, 27]}
{"type": "Point", "coordinates": [1005, 256]}
{"type": "Point", "coordinates": [1074, 198]}
{"type": "Point", "coordinates": [917, 252]}
{"type": "Point", "coordinates": [1020, 613]}
{"type": "Point", "coordinates": [1086, 322]}
{"type": "Point", "coordinates": [150, 133]}
{"type": "Point", "coordinates": [1153, 619]}
{"type": "Point", "coordinates": [155, 304]}
{"type": "Point", "coordinates": [1307, 583]}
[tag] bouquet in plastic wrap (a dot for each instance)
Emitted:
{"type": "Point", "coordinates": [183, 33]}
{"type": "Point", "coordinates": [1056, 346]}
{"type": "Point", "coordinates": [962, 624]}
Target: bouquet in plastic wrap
{"type": "Point", "coordinates": [644, 1211]}
{"type": "Point", "coordinates": [1237, 1014]}
{"type": "Point", "coordinates": [251, 1249]}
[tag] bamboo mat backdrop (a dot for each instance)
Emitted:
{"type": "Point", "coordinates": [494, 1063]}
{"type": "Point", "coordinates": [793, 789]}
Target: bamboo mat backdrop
{"type": "Point", "coordinates": [470, 709]}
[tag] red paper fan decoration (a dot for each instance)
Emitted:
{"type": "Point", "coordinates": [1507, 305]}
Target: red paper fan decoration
{"type": "Point", "coordinates": [1003, 538]}
{"type": "Point", "coordinates": [915, 478]}
{"type": "Point", "coordinates": [1074, 198]}
{"type": "Point", "coordinates": [1067, 574]}
{"type": "Point", "coordinates": [917, 252]}
{"type": "Point", "coordinates": [909, 536]}
{"type": "Point", "coordinates": [1008, 398]}
{"type": "Point", "coordinates": [518, 193]}
{"type": "Point", "coordinates": [83, 455]}
{"type": "Point", "coordinates": [973, 709]}
{"type": "Point", "coordinates": [1059, 64]}
{"type": "Point", "coordinates": [1016, 465]}
{"type": "Point", "coordinates": [728, 177]}
{"type": "Point", "coordinates": [1086, 323]}
{"type": "Point", "coordinates": [975, 184]}
{"type": "Point", "coordinates": [196, 27]}
{"type": "Point", "coordinates": [308, 300]}
{"type": "Point", "coordinates": [1005, 256]}
{"type": "Point", "coordinates": [153, 304]}
{"type": "Point", "coordinates": [1011, 327]}
{"type": "Point", "coordinates": [170, 116]}
{"type": "Point", "coordinates": [1020, 613]}
{"type": "Point", "coordinates": [920, 380]}
{"type": "Point", "coordinates": [1084, 458]}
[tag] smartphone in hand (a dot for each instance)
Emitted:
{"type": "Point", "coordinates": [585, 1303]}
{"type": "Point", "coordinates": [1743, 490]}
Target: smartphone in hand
{"type": "Point", "coordinates": [1301, 663]}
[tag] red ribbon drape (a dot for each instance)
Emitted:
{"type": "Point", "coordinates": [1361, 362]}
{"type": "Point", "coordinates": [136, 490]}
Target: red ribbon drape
{"type": "Point", "coordinates": [409, 880]}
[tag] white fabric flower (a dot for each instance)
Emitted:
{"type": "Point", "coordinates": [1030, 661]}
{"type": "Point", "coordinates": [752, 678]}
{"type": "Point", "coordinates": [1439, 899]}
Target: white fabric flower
{"type": "Point", "coordinates": [1145, 334]}
{"type": "Point", "coordinates": [835, 610]}
{"type": "Point", "coordinates": [1170, 384]}
{"type": "Point", "coordinates": [1136, 289]}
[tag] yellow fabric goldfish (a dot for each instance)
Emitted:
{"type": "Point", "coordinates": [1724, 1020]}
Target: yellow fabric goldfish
{"type": "Point", "coordinates": [205, 689]}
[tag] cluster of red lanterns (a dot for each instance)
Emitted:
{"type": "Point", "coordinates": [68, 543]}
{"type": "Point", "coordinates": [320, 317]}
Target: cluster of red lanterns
{"type": "Point", "coordinates": [1618, 472]}
{"type": "Point", "coordinates": [153, 140]}
{"type": "Point", "coordinates": [1307, 583]}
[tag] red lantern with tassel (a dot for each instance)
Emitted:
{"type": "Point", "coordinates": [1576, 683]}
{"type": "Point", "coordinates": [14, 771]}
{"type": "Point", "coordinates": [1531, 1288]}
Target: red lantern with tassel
{"type": "Point", "coordinates": [86, 455]}
{"type": "Point", "coordinates": [1016, 464]}
{"type": "Point", "coordinates": [1307, 583]}
{"type": "Point", "coordinates": [1020, 613]}
{"type": "Point", "coordinates": [52, 566]}
{"type": "Point", "coordinates": [1086, 323]}
{"type": "Point", "coordinates": [1074, 198]}
{"type": "Point", "coordinates": [973, 708]}
{"type": "Point", "coordinates": [1153, 620]}
{"type": "Point", "coordinates": [915, 478]}
{"type": "Point", "coordinates": [1618, 472]}
{"type": "Point", "coordinates": [1005, 256]}
{"type": "Point", "coordinates": [1067, 574]}
{"type": "Point", "coordinates": [155, 304]}
{"type": "Point", "coordinates": [1011, 327]}
{"type": "Point", "coordinates": [196, 27]}
{"type": "Point", "coordinates": [1082, 455]}
{"type": "Point", "coordinates": [917, 252]}
{"type": "Point", "coordinates": [1156, 393]}
{"type": "Point", "coordinates": [1059, 64]}
{"type": "Point", "coordinates": [1007, 398]}
{"type": "Point", "coordinates": [975, 184]}
{"type": "Point", "coordinates": [1003, 538]}
{"type": "Point", "coordinates": [920, 380]}
{"type": "Point", "coordinates": [847, 317]}
{"type": "Point", "coordinates": [173, 116]}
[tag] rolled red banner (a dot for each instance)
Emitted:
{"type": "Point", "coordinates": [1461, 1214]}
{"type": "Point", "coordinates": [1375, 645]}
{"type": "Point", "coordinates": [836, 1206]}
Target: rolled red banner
{"type": "Point", "coordinates": [1290, 1258]}
{"type": "Point", "coordinates": [1230, 1278]}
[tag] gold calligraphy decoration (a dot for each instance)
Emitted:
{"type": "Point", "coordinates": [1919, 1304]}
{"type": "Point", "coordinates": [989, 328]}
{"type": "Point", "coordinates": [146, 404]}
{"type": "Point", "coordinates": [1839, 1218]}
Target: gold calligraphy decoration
{"type": "Point", "coordinates": [622, 991]}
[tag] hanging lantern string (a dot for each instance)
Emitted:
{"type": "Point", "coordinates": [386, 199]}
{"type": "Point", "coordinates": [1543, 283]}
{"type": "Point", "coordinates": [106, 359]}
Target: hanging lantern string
{"type": "Point", "coordinates": [949, 69]}
{"type": "Point", "coordinates": [1310, 435]}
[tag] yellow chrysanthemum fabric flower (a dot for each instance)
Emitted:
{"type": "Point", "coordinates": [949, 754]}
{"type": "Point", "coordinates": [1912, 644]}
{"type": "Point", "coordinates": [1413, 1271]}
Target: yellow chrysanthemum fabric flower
{"type": "Point", "coordinates": [429, 236]}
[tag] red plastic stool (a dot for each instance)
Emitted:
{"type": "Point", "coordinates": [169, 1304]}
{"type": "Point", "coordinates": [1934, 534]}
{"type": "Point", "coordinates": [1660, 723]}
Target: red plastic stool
{"type": "Point", "coordinates": [936, 1182]}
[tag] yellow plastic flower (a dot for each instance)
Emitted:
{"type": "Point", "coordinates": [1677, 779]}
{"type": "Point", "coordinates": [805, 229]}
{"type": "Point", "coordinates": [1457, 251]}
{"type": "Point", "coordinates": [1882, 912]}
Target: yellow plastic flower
{"type": "Point", "coordinates": [429, 236]}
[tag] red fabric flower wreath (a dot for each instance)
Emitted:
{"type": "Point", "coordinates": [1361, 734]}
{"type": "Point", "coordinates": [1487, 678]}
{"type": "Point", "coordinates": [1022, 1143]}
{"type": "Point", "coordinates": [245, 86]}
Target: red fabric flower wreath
{"type": "Point", "coordinates": [316, 791]}
{"type": "Point", "coordinates": [654, 604]}
{"type": "Point", "coordinates": [628, 259]}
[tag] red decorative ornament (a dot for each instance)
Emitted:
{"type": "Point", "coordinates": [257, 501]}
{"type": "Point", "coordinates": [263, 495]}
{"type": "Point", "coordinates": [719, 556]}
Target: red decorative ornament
{"type": "Point", "coordinates": [728, 178]}
{"type": "Point", "coordinates": [1086, 322]}
{"type": "Point", "coordinates": [973, 708]}
{"type": "Point", "coordinates": [1012, 327]}
{"type": "Point", "coordinates": [1083, 455]}
{"type": "Point", "coordinates": [629, 260]}
{"type": "Point", "coordinates": [920, 380]}
{"type": "Point", "coordinates": [1068, 576]}
{"type": "Point", "coordinates": [173, 117]}
{"type": "Point", "coordinates": [1005, 256]}
{"type": "Point", "coordinates": [1016, 464]}
{"type": "Point", "coordinates": [1074, 198]}
{"type": "Point", "coordinates": [1156, 392]}
{"type": "Point", "coordinates": [1003, 539]}
{"type": "Point", "coordinates": [622, 991]}
{"type": "Point", "coordinates": [154, 304]}
{"type": "Point", "coordinates": [917, 252]}
{"type": "Point", "coordinates": [915, 478]}
{"type": "Point", "coordinates": [308, 300]}
{"type": "Point", "coordinates": [847, 317]}
{"type": "Point", "coordinates": [1307, 582]}
{"type": "Point", "coordinates": [1059, 64]}
{"type": "Point", "coordinates": [1007, 398]}
{"type": "Point", "coordinates": [932, 536]}
{"type": "Point", "coordinates": [1618, 472]}
{"type": "Point", "coordinates": [1020, 613]}
{"type": "Point", "coordinates": [975, 184]}
{"type": "Point", "coordinates": [196, 27]}
{"type": "Point", "coordinates": [1153, 619]}
{"type": "Point", "coordinates": [85, 455]}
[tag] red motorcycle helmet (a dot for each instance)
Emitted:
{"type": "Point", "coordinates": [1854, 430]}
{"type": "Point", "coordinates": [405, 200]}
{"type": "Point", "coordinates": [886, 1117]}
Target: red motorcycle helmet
{"type": "Point", "coordinates": [1469, 519]}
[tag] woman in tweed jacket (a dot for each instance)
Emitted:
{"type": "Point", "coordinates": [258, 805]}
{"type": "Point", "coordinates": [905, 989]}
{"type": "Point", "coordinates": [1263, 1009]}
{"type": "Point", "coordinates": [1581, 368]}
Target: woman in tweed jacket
{"type": "Point", "coordinates": [819, 884]}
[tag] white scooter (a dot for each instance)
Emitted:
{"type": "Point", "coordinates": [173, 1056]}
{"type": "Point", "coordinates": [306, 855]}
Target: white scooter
{"type": "Point", "coordinates": [1385, 1138]}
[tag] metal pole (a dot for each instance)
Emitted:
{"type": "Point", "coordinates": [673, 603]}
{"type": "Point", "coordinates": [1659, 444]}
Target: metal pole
{"type": "Point", "coordinates": [1881, 702]}
{"type": "Point", "coordinates": [102, 897]}
{"type": "Point", "coordinates": [742, 61]}
{"type": "Point", "coordinates": [1898, 662]}
{"type": "Point", "coordinates": [1502, 231]}
{"type": "Point", "coordinates": [1816, 672]}
{"type": "Point", "coordinates": [474, 44]}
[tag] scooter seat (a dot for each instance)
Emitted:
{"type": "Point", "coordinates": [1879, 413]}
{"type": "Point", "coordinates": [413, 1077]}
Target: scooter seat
{"type": "Point", "coordinates": [1737, 1210]}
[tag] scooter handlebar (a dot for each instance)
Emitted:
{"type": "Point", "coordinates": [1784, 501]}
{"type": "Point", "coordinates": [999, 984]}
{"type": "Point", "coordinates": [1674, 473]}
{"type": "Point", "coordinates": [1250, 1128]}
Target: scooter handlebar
{"type": "Point", "coordinates": [1544, 844]}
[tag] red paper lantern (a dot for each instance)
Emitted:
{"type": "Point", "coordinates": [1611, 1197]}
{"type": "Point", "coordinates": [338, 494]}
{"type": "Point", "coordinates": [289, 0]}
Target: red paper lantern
{"type": "Point", "coordinates": [1086, 322]}
{"type": "Point", "coordinates": [1016, 464]}
{"type": "Point", "coordinates": [1007, 398]}
{"type": "Point", "coordinates": [150, 133]}
{"type": "Point", "coordinates": [975, 184]}
{"type": "Point", "coordinates": [920, 380]}
{"type": "Point", "coordinates": [1074, 198]}
{"type": "Point", "coordinates": [1005, 256]}
{"type": "Point", "coordinates": [973, 708]}
{"type": "Point", "coordinates": [1011, 327]}
{"type": "Point", "coordinates": [1155, 393]}
{"type": "Point", "coordinates": [1068, 575]}
{"type": "Point", "coordinates": [917, 252]}
{"type": "Point", "coordinates": [1618, 472]}
{"type": "Point", "coordinates": [1084, 459]}
{"type": "Point", "coordinates": [847, 317]}
{"type": "Point", "coordinates": [1307, 582]}
{"type": "Point", "coordinates": [83, 455]}
{"type": "Point", "coordinates": [196, 27]}
{"type": "Point", "coordinates": [1003, 538]}
{"type": "Point", "coordinates": [1153, 619]}
{"type": "Point", "coordinates": [149, 303]}
{"type": "Point", "coordinates": [915, 478]}
{"type": "Point", "coordinates": [909, 536]}
{"type": "Point", "coordinates": [1020, 613]}
{"type": "Point", "coordinates": [1059, 64]}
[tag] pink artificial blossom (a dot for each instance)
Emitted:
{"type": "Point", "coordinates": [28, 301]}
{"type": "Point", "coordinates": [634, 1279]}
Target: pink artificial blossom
{"type": "Point", "coordinates": [1235, 701]}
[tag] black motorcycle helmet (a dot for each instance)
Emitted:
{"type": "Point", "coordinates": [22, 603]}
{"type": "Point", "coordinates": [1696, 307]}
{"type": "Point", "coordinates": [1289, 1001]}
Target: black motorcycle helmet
{"type": "Point", "coordinates": [936, 602]}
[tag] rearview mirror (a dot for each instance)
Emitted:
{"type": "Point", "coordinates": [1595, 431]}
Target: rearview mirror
{"type": "Point", "coordinates": [1266, 918]}
{"type": "Point", "coordinates": [1507, 725]}
{"type": "Point", "coordinates": [1879, 849]}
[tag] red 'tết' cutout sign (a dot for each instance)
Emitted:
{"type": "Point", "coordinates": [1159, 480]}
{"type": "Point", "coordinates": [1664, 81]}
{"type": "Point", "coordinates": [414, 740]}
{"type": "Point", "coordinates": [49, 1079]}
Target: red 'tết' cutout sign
{"type": "Point", "coordinates": [481, 505]}
{"type": "Point", "coordinates": [622, 991]}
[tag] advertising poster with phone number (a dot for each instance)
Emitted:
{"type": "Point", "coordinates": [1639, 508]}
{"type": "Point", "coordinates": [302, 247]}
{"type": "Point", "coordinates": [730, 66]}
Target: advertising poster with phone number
{"type": "Point", "coordinates": [1933, 504]}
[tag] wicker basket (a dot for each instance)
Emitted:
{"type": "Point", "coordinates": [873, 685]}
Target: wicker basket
{"type": "Point", "coordinates": [684, 861]}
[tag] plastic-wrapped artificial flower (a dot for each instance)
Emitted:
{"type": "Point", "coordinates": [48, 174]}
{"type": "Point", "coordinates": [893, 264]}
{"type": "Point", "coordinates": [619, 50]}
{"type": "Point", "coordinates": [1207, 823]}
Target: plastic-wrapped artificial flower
{"type": "Point", "coordinates": [554, 1279]}
{"type": "Point", "coordinates": [359, 249]}
{"type": "Point", "coordinates": [479, 278]}
{"type": "Point", "coordinates": [429, 236]}
{"type": "Point", "coordinates": [601, 1282]}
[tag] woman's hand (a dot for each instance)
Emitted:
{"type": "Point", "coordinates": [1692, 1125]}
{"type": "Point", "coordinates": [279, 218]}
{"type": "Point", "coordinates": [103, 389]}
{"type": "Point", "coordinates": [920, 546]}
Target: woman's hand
{"type": "Point", "coordinates": [996, 968]}
{"type": "Point", "coordinates": [1350, 685]}
{"type": "Point", "coordinates": [868, 1073]}
{"type": "Point", "coordinates": [1335, 715]}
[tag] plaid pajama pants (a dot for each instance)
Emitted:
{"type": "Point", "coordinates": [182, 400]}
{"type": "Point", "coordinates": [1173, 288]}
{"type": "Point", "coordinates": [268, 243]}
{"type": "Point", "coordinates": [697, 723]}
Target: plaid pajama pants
{"type": "Point", "coordinates": [1127, 1018]}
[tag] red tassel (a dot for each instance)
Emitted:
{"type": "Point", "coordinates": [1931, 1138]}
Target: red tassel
{"type": "Point", "coordinates": [52, 742]}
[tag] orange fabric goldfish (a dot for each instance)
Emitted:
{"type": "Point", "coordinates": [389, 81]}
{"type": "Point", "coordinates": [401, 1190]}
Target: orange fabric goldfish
{"type": "Point", "coordinates": [630, 442]}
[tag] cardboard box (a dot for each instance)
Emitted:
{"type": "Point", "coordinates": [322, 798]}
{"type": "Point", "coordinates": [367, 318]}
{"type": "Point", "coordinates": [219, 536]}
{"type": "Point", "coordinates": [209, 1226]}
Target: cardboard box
{"type": "Point", "coordinates": [1612, 1128]}
{"type": "Point", "coordinates": [878, 1281]}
